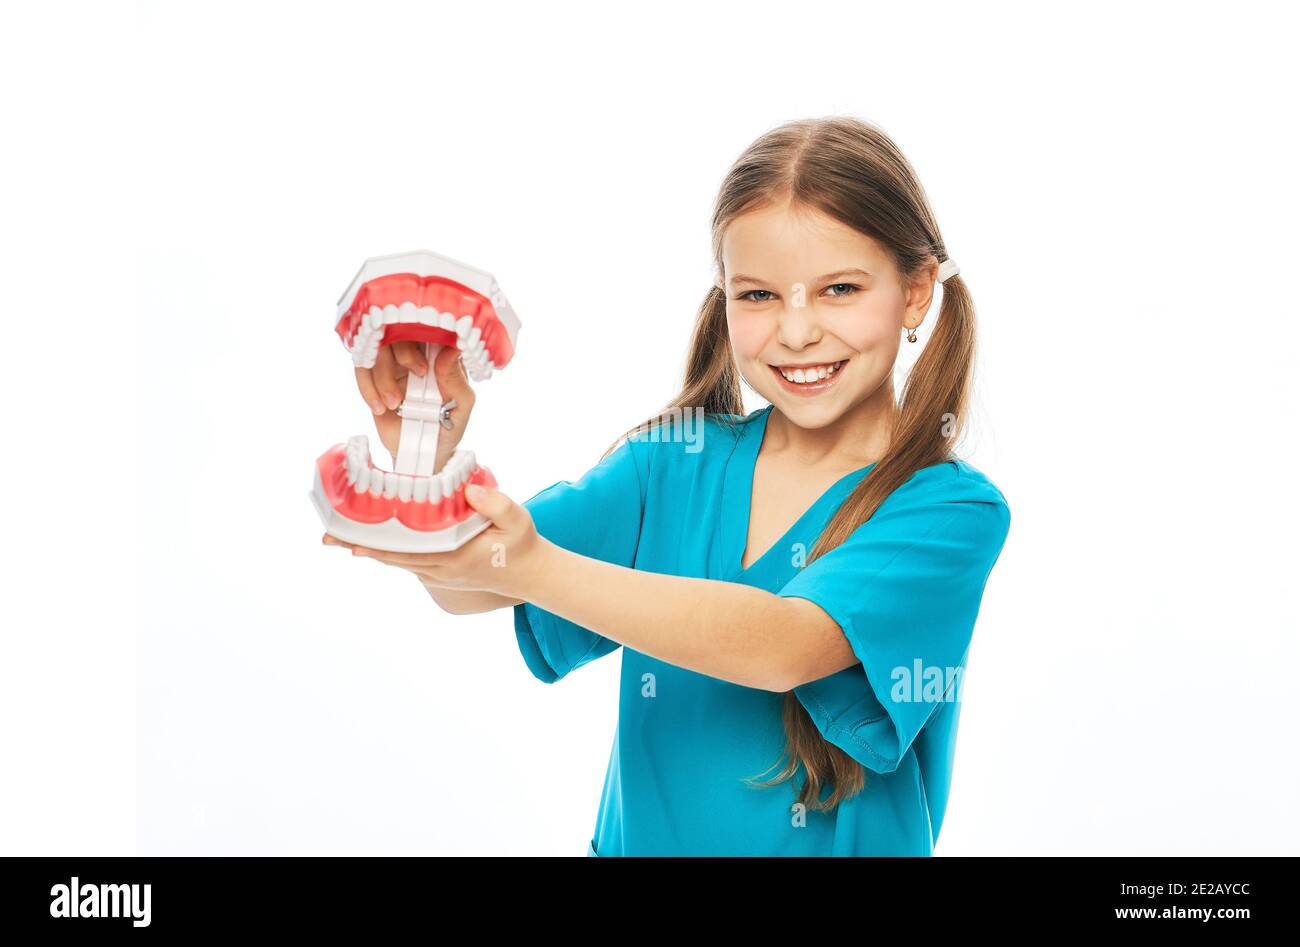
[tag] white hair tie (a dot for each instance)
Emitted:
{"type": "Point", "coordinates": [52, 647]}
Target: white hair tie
{"type": "Point", "coordinates": [946, 269]}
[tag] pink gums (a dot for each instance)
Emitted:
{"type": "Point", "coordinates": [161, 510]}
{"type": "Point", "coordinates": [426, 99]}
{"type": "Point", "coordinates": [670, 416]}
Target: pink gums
{"type": "Point", "coordinates": [437, 291]}
{"type": "Point", "coordinates": [414, 514]}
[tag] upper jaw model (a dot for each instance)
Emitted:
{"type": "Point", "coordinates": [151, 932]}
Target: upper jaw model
{"type": "Point", "coordinates": [421, 297]}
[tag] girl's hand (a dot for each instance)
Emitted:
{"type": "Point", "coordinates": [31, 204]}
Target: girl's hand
{"type": "Point", "coordinates": [384, 388]}
{"type": "Point", "coordinates": [506, 558]}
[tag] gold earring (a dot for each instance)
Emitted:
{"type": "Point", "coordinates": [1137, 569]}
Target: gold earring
{"type": "Point", "coordinates": [911, 335]}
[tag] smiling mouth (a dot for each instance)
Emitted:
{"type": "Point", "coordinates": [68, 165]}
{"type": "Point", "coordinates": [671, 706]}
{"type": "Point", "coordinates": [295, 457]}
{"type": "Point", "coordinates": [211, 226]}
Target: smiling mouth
{"type": "Point", "coordinates": [810, 375]}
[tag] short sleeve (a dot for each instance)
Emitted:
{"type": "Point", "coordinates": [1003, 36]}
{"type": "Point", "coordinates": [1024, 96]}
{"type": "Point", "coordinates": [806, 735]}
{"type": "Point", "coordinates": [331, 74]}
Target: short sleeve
{"type": "Point", "coordinates": [598, 516]}
{"type": "Point", "coordinates": [905, 588]}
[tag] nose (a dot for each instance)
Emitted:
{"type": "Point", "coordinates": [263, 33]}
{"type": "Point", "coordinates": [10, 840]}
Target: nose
{"type": "Point", "coordinates": [797, 327]}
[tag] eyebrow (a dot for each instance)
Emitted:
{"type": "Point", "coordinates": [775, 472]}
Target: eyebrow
{"type": "Point", "coordinates": [852, 271]}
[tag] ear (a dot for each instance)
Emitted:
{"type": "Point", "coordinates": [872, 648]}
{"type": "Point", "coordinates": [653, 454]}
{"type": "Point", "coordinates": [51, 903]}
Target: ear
{"type": "Point", "coordinates": [921, 292]}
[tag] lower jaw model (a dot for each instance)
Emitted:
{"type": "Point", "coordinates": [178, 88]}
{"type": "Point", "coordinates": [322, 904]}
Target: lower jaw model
{"type": "Point", "coordinates": [426, 298]}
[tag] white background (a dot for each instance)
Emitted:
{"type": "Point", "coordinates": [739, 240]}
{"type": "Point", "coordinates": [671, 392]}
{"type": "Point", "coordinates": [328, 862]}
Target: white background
{"type": "Point", "coordinates": [190, 186]}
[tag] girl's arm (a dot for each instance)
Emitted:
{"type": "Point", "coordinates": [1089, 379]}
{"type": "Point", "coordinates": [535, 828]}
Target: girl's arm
{"type": "Point", "coordinates": [451, 601]}
{"type": "Point", "coordinates": [459, 602]}
{"type": "Point", "coordinates": [726, 630]}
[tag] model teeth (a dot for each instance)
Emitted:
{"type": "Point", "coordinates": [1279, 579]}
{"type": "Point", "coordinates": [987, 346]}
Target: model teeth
{"type": "Point", "coordinates": [801, 376]}
{"type": "Point", "coordinates": [469, 337]}
{"type": "Point", "coordinates": [366, 478]}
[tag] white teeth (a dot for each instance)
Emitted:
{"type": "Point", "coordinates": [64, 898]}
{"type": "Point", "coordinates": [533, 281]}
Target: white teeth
{"type": "Point", "coordinates": [365, 346]}
{"type": "Point", "coordinates": [469, 337]}
{"type": "Point", "coordinates": [805, 375]}
{"type": "Point", "coordinates": [357, 462]}
{"type": "Point", "coordinates": [453, 475]}
{"type": "Point", "coordinates": [473, 349]}
{"type": "Point", "coordinates": [365, 478]}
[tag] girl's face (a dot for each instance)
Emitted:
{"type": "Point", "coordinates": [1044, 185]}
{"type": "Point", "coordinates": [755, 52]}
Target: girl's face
{"type": "Point", "coordinates": [815, 311]}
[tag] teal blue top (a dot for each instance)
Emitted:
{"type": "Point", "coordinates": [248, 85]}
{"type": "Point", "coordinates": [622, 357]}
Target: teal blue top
{"type": "Point", "coordinates": [905, 588]}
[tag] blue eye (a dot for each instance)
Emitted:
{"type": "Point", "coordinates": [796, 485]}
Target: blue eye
{"type": "Point", "coordinates": [850, 287]}
{"type": "Point", "coordinates": [750, 295]}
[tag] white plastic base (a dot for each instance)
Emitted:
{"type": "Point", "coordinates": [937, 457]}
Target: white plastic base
{"type": "Point", "coordinates": [392, 535]}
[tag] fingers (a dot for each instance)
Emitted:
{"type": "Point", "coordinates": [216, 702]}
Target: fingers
{"type": "Point", "coordinates": [386, 378]}
{"type": "Point", "coordinates": [453, 381]}
{"type": "Point", "coordinates": [420, 561]}
{"type": "Point", "coordinates": [410, 355]}
{"type": "Point", "coordinates": [366, 385]}
{"type": "Point", "coordinates": [424, 561]}
{"type": "Point", "coordinates": [453, 385]}
{"type": "Point", "coordinates": [496, 506]}
{"type": "Point", "coordinates": [383, 386]}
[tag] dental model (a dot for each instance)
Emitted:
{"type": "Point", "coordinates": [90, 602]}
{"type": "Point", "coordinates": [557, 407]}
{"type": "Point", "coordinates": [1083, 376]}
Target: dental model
{"type": "Point", "coordinates": [427, 298]}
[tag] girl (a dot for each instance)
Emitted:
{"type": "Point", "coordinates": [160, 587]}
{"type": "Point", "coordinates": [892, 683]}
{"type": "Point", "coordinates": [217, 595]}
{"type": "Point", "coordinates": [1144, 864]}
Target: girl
{"type": "Point", "coordinates": [794, 589]}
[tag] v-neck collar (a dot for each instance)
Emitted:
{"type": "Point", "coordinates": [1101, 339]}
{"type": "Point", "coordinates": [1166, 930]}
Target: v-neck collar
{"type": "Point", "coordinates": [738, 496]}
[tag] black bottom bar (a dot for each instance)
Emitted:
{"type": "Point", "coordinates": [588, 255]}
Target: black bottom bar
{"type": "Point", "coordinates": [373, 896]}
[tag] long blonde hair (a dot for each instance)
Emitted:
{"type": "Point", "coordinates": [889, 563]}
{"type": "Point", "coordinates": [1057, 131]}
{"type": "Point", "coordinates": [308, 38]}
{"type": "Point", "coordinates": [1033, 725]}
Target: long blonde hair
{"type": "Point", "coordinates": [852, 171]}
